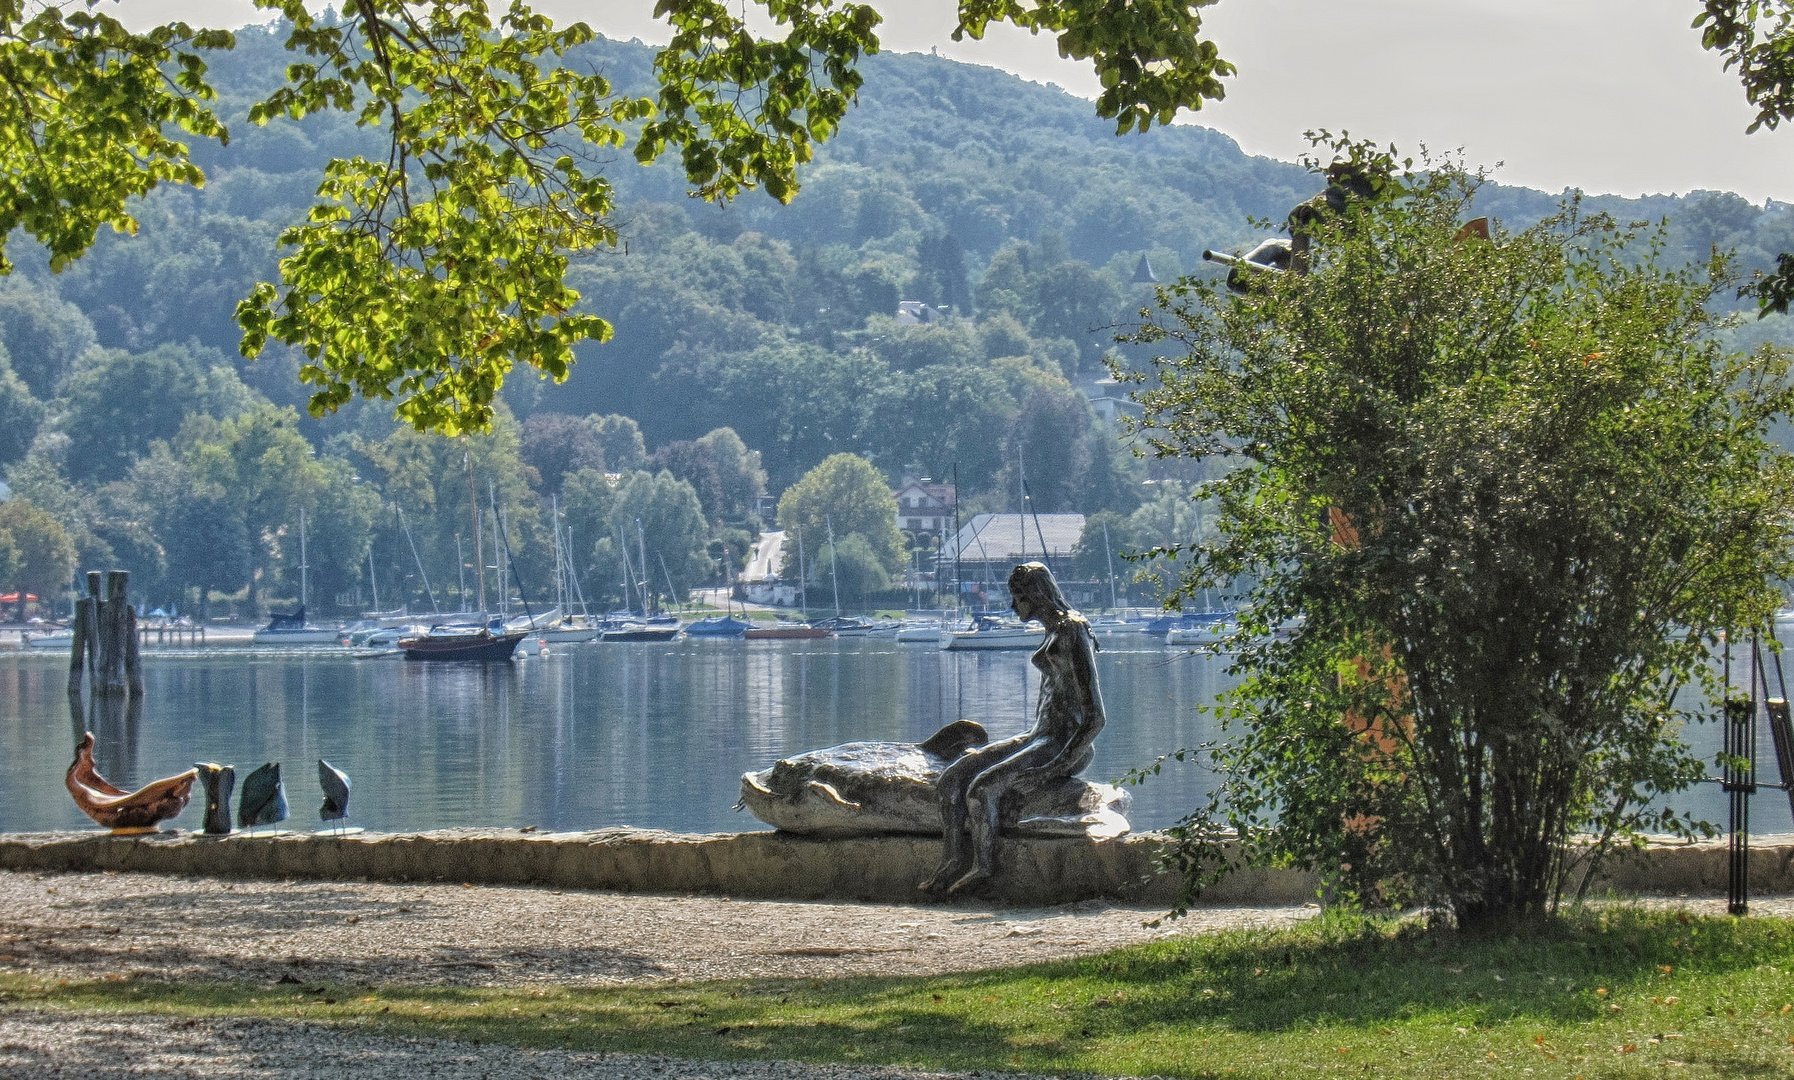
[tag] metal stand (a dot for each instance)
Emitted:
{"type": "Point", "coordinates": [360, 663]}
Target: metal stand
{"type": "Point", "coordinates": [1739, 777]}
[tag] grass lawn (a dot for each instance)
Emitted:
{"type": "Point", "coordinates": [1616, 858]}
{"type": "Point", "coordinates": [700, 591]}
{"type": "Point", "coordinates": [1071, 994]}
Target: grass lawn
{"type": "Point", "coordinates": [1614, 992]}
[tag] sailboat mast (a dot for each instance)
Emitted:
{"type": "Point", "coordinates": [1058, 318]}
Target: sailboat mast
{"type": "Point", "coordinates": [560, 573]}
{"type": "Point", "coordinates": [641, 542]}
{"type": "Point", "coordinates": [834, 577]}
{"type": "Point", "coordinates": [628, 578]}
{"type": "Point", "coordinates": [958, 589]}
{"type": "Point", "coordinates": [498, 551]}
{"type": "Point", "coordinates": [803, 593]}
{"type": "Point", "coordinates": [373, 582]}
{"type": "Point", "coordinates": [1109, 557]}
{"type": "Point", "coordinates": [479, 532]}
{"type": "Point", "coordinates": [415, 557]}
{"type": "Point", "coordinates": [1021, 499]}
{"type": "Point", "coordinates": [672, 593]}
{"type": "Point", "coordinates": [573, 574]}
{"type": "Point", "coordinates": [302, 565]}
{"type": "Point", "coordinates": [460, 572]}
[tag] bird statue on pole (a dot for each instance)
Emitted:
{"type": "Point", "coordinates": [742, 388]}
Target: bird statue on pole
{"type": "Point", "coordinates": [336, 785]}
{"type": "Point", "coordinates": [264, 798]}
{"type": "Point", "coordinates": [220, 781]}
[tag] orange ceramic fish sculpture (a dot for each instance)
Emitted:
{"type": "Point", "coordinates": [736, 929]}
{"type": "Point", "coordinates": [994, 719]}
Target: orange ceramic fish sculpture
{"type": "Point", "coordinates": [120, 810]}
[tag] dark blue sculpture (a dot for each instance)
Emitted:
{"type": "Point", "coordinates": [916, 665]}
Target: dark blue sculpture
{"type": "Point", "coordinates": [336, 785]}
{"type": "Point", "coordinates": [264, 798]}
{"type": "Point", "coordinates": [220, 781]}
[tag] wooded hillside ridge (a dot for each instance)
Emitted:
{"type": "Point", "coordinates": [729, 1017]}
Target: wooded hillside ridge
{"type": "Point", "coordinates": [1006, 211]}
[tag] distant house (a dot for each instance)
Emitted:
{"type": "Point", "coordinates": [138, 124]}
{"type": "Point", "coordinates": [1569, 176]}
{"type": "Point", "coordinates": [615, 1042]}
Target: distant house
{"type": "Point", "coordinates": [924, 506]}
{"type": "Point", "coordinates": [917, 313]}
{"type": "Point", "coordinates": [1109, 399]}
{"type": "Point", "coordinates": [990, 545]}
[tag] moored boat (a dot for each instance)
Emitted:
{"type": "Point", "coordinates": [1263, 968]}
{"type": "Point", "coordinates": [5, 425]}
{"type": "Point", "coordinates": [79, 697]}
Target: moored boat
{"type": "Point", "coordinates": [290, 628]}
{"type": "Point", "coordinates": [1119, 629]}
{"type": "Point", "coordinates": [786, 631]}
{"type": "Point", "coordinates": [989, 633]}
{"type": "Point", "coordinates": [719, 626]}
{"type": "Point", "coordinates": [462, 643]}
{"type": "Point", "coordinates": [639, 631]}
{"type": "Point", "coordinates": [856, 626]}
{"type": "Point", "coordinates": [1202, 628]}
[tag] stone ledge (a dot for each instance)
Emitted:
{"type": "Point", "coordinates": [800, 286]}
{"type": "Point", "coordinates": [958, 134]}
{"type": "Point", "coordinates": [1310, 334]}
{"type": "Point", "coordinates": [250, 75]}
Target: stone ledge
{"type": "Point", "coordinates": [773, 866]}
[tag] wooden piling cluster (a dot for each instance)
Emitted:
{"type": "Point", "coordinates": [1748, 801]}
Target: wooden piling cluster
{"type": "Point", "coordinates": [106, 641]}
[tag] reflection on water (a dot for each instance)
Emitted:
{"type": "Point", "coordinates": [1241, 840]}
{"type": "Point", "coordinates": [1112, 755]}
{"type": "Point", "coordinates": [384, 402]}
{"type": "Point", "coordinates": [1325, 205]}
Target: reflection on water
{"type": "Point", "coordinates": [654, 735]}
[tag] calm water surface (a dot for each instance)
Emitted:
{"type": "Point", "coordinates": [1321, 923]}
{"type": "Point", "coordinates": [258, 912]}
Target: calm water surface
{"type": "Point", "coordinates": [652, 735]}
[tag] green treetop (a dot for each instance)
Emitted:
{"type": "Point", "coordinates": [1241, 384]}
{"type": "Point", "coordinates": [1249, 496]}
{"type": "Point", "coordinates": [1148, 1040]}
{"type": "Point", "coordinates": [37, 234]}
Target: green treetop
{"type": "Point", "coordinates": [425, 274]}
{"type": "Point", "coordinates": [848, 496]}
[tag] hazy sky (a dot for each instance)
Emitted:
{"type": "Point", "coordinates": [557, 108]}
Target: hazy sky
{"type": "Point", "coordinates": [1606, 95]}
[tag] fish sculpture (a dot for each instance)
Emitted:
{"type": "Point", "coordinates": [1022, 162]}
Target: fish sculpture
{"type": "Point", "coordinates": [264, 800]}
{"type": "Point", "coordinates": [336, 785]}
{"type": "Point", "coordinates": [220, 782]}
{"type": "Point", "coordinates": [120, 810]}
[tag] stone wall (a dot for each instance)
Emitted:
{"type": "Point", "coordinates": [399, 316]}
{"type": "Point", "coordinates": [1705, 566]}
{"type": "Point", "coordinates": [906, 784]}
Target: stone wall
{"type": "Point", "coordinates": [770, 865]}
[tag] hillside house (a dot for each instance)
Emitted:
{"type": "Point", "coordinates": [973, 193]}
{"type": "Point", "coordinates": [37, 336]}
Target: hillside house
{"type": "Point", "coordinates": [924, 506]}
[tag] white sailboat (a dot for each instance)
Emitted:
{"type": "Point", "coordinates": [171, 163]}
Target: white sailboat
{"type": "Point", "coordinates": [290, 627]}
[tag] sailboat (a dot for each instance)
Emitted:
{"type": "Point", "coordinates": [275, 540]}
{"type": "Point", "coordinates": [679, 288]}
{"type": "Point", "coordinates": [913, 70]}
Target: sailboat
{"type": "Point", "coordinates": [570, 628]}
{"type": "Point", "coordinates": [290, 627]}
{"type": "Point", "coordinates": [647, 626]}
{"type": "Point", "coordinates": [488, 639]}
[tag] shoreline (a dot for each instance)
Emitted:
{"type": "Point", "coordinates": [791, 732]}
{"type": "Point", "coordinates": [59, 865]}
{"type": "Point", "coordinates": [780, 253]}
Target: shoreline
{"type": "Point", "coordinates": [780, 866]}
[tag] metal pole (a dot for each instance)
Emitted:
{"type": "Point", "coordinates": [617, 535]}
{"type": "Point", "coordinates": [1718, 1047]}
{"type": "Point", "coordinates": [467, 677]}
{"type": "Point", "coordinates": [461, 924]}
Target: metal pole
{"type": "Point", "coordinates": [1739, 782]}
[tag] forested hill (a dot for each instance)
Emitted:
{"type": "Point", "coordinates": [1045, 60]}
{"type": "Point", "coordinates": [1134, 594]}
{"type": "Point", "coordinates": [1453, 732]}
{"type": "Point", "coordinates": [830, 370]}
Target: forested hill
{"type": "Point", "coordinates": [1009, 204]}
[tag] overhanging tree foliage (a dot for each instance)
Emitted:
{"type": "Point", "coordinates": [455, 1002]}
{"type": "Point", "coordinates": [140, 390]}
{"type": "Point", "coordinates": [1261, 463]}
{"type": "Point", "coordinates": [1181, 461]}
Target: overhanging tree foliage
{"type": "Point", "coordinates": [428, 275]}
{"type": "Point", "coordinates": [1510, 493]}
{"type": "Point", "coordinates": [1757, 38]}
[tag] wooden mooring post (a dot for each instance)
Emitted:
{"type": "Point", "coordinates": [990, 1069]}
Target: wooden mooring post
{"type": "Point", "coordinates": [105, 646]}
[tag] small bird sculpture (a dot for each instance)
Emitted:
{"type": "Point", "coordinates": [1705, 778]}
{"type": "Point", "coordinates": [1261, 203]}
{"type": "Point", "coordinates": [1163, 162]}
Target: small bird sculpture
{"type": "Point", "coordinates": [336, 785]}
{"type": "Point", "coordinates": [220, 782]}
{"type": "Point", "coordinates": [264, 799]}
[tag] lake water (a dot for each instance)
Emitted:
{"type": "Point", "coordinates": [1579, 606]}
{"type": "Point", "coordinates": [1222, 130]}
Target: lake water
{"type": "Point", "coordinates": [651, 735]}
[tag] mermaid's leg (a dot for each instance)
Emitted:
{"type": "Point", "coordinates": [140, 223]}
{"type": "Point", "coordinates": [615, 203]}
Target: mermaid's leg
{"type": "Point", "coordinates": [984, 807]}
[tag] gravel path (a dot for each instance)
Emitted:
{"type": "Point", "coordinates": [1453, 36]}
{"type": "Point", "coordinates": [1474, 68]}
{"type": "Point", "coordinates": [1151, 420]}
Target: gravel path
{"type": "Point", "coordinates": [149, 927]}
{"type": "Point", "coordinates": [92, 925]}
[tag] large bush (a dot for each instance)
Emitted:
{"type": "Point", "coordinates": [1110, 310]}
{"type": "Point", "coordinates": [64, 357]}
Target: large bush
{"type": "Point", "coordinates": [1515, 492]}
